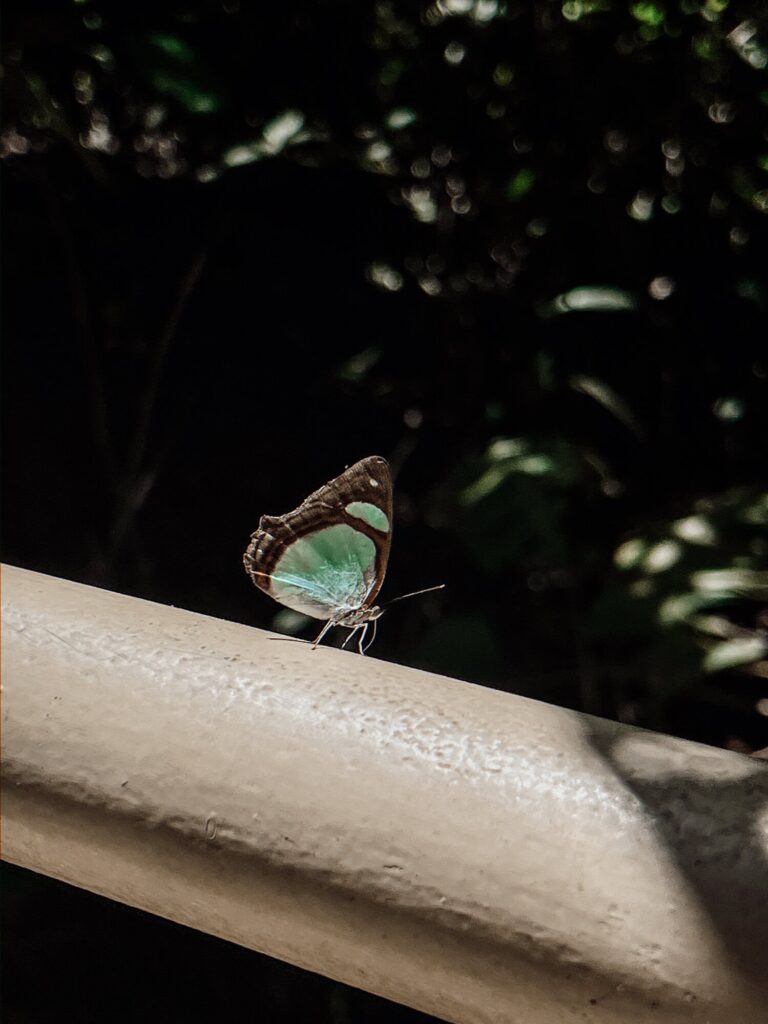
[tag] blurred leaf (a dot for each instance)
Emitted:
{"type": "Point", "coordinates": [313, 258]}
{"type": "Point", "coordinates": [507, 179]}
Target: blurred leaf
{"type": "Point", "coordinates": [648, 13]}
{"type": "Point", "coordinates": [590, 299]}
{"type": "Point", "coordinates": [662, 556]}
{"type": "Point", "coordinates": [728, 409]}
{"type": "Point", "coordinates": [521, 184]}
{"type": "Point", "coordinates": [757, 512]}
{"type": "Point", "coordinates": [629, 554]}
{"type": "Point", "coordinates": [695, 530]}
{"type": "Point", "coordinates": [737, 582]}
{"type": "Point", "coordinates": [186, 91]}
{"type": "Point", "coordinates": [275, 136]}
{"type": "Point", "coordinates": [513, 512]}
{"type": "Point", "coordinates": [680, 609]}
{"type": "Point", "coordinates": [400, 118]}
{"type": "Point", "coordinates": [509, 457]}
{"type": "Point", "coordinates": [734, 653]}
{"type": "Point", "coordinates": [608, 398]}
{"type": "Point", "coordinates": [173, 46]}
{"type": "Point", "coordinates": [278, 132]}
{"type": "Point", "coordinates": [357, 367]}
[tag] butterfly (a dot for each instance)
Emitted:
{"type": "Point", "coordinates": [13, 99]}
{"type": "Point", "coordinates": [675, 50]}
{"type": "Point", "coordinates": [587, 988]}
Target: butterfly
{"type": "Point", "coordinates": [328, 557]}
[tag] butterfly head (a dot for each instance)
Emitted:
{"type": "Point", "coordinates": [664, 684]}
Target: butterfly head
{"type": "Point", "coordinates": [359, 616]}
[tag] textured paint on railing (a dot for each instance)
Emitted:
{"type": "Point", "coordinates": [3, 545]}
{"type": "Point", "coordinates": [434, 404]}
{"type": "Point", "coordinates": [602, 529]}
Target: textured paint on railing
{"type": "Point", "coordinates": [477, 855]}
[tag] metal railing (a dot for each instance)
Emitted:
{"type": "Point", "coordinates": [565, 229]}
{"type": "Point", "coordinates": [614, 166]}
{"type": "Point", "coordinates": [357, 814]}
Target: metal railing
{"type": "Point", "coordinates": [479, 856]}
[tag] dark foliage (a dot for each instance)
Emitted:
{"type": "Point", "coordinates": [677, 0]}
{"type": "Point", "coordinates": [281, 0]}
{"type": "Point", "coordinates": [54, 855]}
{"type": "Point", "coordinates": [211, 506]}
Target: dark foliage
{"type": "Point", "coordinates": [517, 248]}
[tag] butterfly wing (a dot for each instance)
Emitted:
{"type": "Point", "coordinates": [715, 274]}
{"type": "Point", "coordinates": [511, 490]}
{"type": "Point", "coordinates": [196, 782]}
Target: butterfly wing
{"type": "Point", "coordinates": [330, 554]}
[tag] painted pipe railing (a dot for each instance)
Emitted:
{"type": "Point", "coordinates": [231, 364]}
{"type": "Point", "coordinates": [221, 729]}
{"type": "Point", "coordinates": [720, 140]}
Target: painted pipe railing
{"type": "Point", "coordinates": [480, 856]}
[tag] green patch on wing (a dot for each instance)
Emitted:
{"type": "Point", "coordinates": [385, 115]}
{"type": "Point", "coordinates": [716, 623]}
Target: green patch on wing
{"type": "Point", "coordinates": [326, 571]}
{"type": "Point", "coordinates": [369, 513]}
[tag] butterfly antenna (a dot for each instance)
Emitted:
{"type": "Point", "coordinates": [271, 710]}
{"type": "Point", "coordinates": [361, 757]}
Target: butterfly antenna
{"type": "Point", "coordinates": [415, 593]}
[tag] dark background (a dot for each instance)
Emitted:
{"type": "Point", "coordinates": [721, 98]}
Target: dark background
{"type": "Point", "coordinates": [519, 249]}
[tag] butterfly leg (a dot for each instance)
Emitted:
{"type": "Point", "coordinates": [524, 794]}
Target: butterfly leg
{"type": "Point", "coordinates": [362, 637]}
{"type": "Point", "coordinates": [351, 633]}
{"type": "Point", "coordinates": [373, 636]}
{"type": "Point", "coordinates": [322, 633]}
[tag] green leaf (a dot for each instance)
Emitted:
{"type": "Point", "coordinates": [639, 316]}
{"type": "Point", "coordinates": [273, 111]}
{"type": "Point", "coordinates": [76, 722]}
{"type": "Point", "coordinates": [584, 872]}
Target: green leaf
{"type": "Point", "coordinates": [173, 47]}
{"type": "Point", "coordinates": [520, 184]}
{"type": "Point", "coordinates": [187, 92]}
{"type": "Point", "coordinates": [648, 14]}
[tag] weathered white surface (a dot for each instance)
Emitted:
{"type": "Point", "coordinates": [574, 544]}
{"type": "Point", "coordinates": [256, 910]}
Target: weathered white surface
{"type": "Point", "coordinates": [480, 856]}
